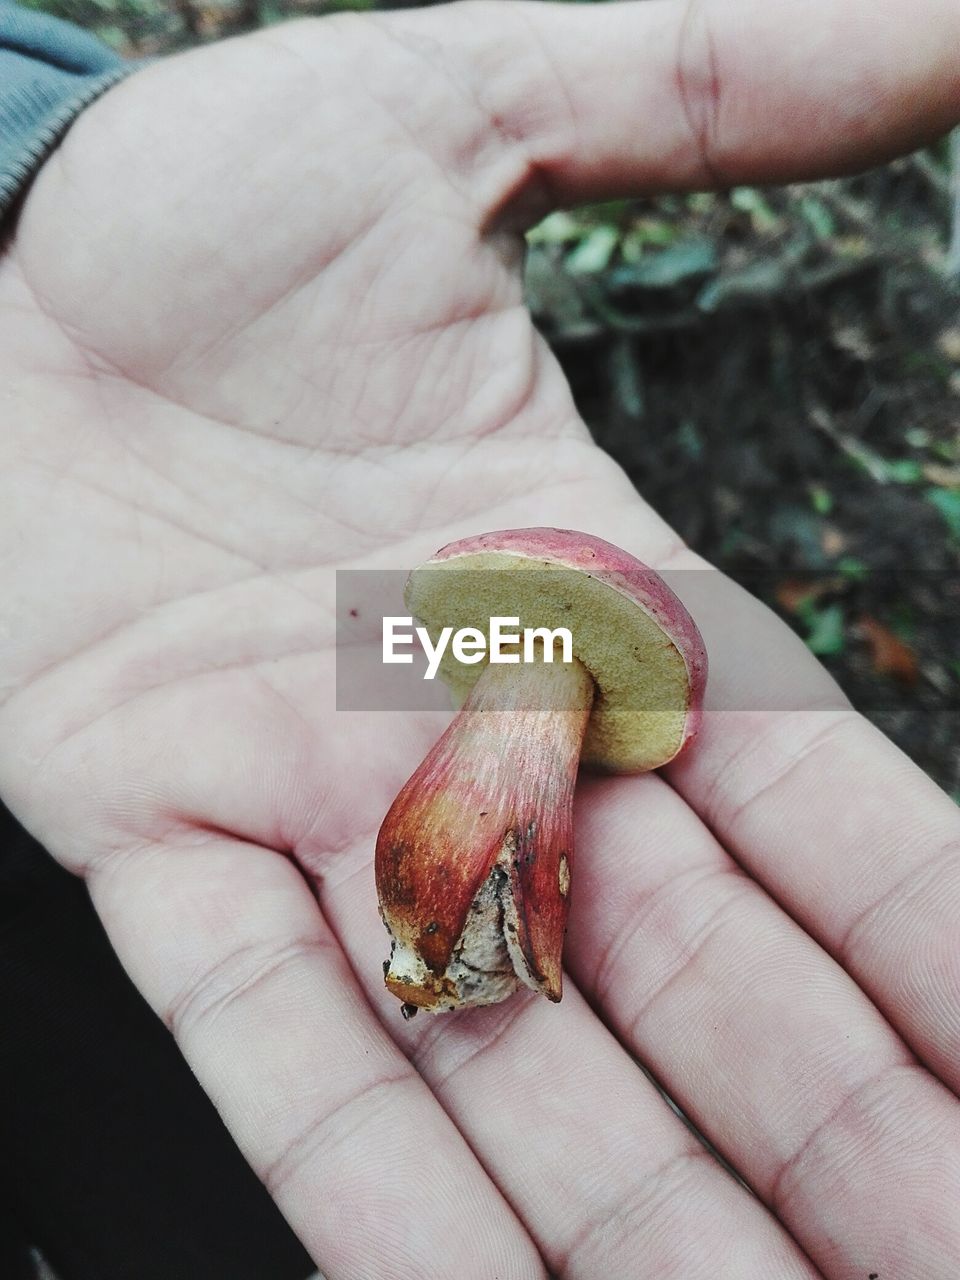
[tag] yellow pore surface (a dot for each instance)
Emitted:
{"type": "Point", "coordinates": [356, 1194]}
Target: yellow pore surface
{"type": "Point", "coordinates": [642, 687]}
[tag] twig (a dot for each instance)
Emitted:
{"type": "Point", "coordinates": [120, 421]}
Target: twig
{"type": "Point", "coordinates": [850, 446]}
{"type": "Point", "coordinates": [934, 174]}
{"type": "Point", "coordinates": [189, 17]}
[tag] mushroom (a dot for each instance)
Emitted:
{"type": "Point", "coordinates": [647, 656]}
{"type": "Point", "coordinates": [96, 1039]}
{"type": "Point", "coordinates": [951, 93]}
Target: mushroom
{"type": "Point", "coordinates": [474, 857]}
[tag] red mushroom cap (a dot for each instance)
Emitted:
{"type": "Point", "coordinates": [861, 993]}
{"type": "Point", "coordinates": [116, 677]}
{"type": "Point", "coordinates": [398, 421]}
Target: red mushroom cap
{"type": "Point", "coordinates": [629, 630]}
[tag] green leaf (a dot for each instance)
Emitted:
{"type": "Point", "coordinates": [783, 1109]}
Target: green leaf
{"type": "Point", "coordinates": [115, 37]}
{"type": "Point", "coordinates": [904, 471]}
{"type": "Point", "coordinates": [821, 499]}
{"type": "Point", "coordinates": [947, 502]}
{"type": "Point", "coordinates": [883, 470]}
{"type": "Point", "coordinates": [730, 543]}
{"type": "Point", "coordinates": [755, 280]}
{"type": "Point", "coordinates": [825, 628]}
{"type": "Point", "coordinates": [818, 217]}
{"type": "Point", "coordinates": [701, 201]}
{"type": "Point", "coordinates": [853, 568]}
{"type": "Point", "coordinates": [594, 252]}
{"type": "Point", "coordinates": [556, 228]}
{"type": "Point", "coordinates": [903, 620]}
{"type": "Point", "coordinates": [669, 267]}
{"type": "Point", "coordinates": [921, 362]}
{"type": "Point", "coordinates": [551, 294]}
{"type": "Point", "coordinates": [608, 210]}
{"type": "Point", "coordinates": [626, 378]}
{"type": "Point", "coordinates": [648, 231]}
{"type": "Point", "coordinates": [750, 200]}
{"type": "Point", "coordinates": [690, 440]}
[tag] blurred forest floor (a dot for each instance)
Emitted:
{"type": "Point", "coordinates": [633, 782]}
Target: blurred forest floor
{"type": "Point", "coordinates": [778, 370]}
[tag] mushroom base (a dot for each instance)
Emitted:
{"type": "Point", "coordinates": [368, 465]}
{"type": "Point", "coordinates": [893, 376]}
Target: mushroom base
{"type": "Point", "coordinates": [482, 969]}
{"type": "Point", "coordinates": [473, 859]}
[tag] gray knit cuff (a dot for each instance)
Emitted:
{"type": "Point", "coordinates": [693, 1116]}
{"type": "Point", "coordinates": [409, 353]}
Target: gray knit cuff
{"type": "Point", "coordinates": [49, 71]}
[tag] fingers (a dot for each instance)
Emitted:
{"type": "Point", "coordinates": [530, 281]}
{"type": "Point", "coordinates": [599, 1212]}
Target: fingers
{"type": "Point", "coordinates": [605, 1177]}
{"type": "Point", "coordinates": [856, 843]}
{"type": "Point", "coordinates": [229, 946]}
{"type": "Point", "coordinates": [636, 97]}
{"type": "Point", "coordinates": [860, 847]}
{"type": "Point", "coordinates": [766, 1043]}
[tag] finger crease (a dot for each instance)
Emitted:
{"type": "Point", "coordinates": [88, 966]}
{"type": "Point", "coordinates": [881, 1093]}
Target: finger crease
{"type": "Point", "coordinates": [510, 1016]}
{"type": "Point", "coordinates": [779, 1195]}
{"type": "Point", "coordinates": [914, 882]}
{"type": "Point", "coordinates": [632, 1216]}
{"type": "Point", "coordinates": [201, 1001]}
{"type": "Point", "coordinates": [300, 1150]}
{"type": "Point", "coordinates": [684, 883]}
{"type": "Point", "coordinates": [824, 736]}
{"type": "Point", "coordinates": [692, 951]}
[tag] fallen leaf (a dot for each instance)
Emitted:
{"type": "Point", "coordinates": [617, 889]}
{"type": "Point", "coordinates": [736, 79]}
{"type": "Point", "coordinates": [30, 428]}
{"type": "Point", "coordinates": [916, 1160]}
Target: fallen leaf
{"type": "Point", "coordinates": [853, 568]}
{"type": "Point", "coordinates": [945, 477]}
{"type": "Point", "coordinates": [552, 295]}
{"type": "Point", "coordinates": [947, 450]}
{"type": "Point", "coordinates": [947, 502]}
{"type": "Point", "coordinates": [556, 228]}
{"type": "Point", "coordinates": [793, 594]}
{"type": "Point", "coordinates": [852, 246]}
{"type": "Point", "coordinates": [949, 343]}
{"type": "Point", "coordinates": [645, 232]}
{"type": "Point", "coordinates": [760, 279]}
{"type": "Point", "coordinates": [883, 470]}
{"type": "Point", "coordinates": [627, 378]}
{"type": "Point", "coordinates": [594, 252]}
{"type": "Point", "coordinates": [833, 541]}
{"type": "Point", "coordinates": [686, 260]}
{"type": "Point", "coordinates": [825, 629]}
{"type": "Point", "coordinates": [821, 499]}
{"type": "Point", "coordinates": [889, 655]}
{"type": "Point", "coordinates": [819, 216]}
{"type": "Point", "coordinates": [750, 200]}
{"type": "Point", "coordinates": [852, 339]}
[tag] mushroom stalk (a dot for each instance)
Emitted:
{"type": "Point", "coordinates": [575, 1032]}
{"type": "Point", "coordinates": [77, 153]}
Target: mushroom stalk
{"type": "Point", "coordinates": [473, 858]}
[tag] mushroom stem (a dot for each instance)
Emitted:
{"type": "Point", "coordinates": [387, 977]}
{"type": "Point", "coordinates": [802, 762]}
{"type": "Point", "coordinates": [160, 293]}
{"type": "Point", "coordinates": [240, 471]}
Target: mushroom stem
{"type": "Point", "coordinates": [473, 859]}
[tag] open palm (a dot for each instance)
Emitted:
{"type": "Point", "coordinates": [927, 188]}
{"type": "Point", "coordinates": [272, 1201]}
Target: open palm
{"type": "Point", "coordinates": [262, 319]}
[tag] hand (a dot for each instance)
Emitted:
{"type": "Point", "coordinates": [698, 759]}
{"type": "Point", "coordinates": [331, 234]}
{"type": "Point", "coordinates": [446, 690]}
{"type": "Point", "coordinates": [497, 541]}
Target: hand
{"type": "Point", "coordinates": [262, 318]}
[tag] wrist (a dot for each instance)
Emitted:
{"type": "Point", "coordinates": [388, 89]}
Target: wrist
{"type": "Point", "coordinates": [49, 71]}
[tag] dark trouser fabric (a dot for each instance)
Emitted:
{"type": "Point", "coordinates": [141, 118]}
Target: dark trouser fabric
{"type": "Point", "coordinates": [112, 1160]}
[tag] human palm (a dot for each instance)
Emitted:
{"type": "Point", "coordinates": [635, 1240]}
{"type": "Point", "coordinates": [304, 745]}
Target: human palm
{"type": "Point", "coordinates": [263, 319]}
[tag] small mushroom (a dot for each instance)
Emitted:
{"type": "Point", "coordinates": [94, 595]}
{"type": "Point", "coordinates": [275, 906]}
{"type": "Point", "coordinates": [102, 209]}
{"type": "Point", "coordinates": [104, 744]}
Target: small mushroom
{"type": "Point", "coordinates": [474, 857]}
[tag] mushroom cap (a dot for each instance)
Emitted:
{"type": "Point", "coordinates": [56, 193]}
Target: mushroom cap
{"type": "Point", "coordinates": [629, 630]}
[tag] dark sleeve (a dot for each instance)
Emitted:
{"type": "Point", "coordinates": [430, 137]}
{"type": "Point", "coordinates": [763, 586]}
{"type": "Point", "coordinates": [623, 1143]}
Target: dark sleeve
{"type": "Point", "coordinates": [113, 1162]}
{"type": "Point", "coordinates": [49, 71]}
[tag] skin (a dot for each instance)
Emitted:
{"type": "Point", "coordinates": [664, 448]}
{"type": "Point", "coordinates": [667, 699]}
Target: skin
{"type": "Point", "coordinates": [261, 318]}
